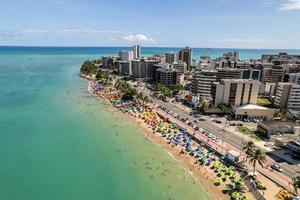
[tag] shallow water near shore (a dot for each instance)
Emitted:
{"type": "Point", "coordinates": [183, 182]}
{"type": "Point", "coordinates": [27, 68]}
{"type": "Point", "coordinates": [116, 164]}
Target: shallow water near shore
{"type": "Point", "coordinates": [57, 142]}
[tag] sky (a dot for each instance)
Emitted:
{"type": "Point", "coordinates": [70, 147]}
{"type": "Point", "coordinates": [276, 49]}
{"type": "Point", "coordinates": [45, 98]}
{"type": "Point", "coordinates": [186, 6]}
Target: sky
{"type": "Point", "coordinates": [159, 23]}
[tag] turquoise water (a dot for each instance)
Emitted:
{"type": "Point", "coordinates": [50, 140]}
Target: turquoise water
{"type": "Point", "coordinates": [56, 142]}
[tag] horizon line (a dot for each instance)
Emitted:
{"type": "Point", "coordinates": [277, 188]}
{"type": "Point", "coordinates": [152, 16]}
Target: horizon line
{"type": "Point", "coordinates": [81, 46]}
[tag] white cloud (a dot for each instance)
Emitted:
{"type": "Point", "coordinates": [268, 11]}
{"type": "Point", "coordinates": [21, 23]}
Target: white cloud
{"type": "Point", "coordinates": [268, 3]}
{"type": "Point", "coordinates": [138, 38]}
{"type": "Point", "coordinates": [6, 33]}
{"type": "Point", "coordinates": [290, 5]}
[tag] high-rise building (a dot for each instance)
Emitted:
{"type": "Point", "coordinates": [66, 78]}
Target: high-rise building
{"type": "Point", "coordinates": [108, 62]}
{"type": "Point", "coordinates": [272, 74]}
{"type": "Point", "coordinates": [294, 78]}
{"type": "Point", "coordinates": [180, 66]}
{"type": "Point", "coordinates": [166, 75]}
{"type": "Point", "coordinates": [281, 59]}
{"type": "Point", "coordinates": [235, 92]}
{"type": "Point", "coordinates": [126, 55]}
{"type": "Point", "coordinates": [150, 66]}
{"type": "Point", "coordinates": [172, 57]}
{"type": "Point", "coordinates": [124, 67]}
{"type": "Point", "coordinates": [287, 96]}
{"type": "Point", "coordinates": [186, 56]}
{"type": "Point", "coordinates": [138, 70]}
{"type": "Point", "coordinates": [136, 52]}
{"type": "Point", "coordinates": [202, 82]}
{"type": "Point", "coordinates": [229, 73]}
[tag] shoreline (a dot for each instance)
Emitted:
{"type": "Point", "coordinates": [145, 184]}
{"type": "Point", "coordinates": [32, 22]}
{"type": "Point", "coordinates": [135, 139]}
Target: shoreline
{"type": "Point", "coordinates": [202, 174]}
{"type": "Point", "coordinates": [183, 160]}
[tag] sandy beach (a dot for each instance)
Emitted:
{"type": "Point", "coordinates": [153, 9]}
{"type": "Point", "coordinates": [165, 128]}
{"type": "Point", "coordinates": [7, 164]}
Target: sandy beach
{"type": "Point", "coordinates": [201, 173]}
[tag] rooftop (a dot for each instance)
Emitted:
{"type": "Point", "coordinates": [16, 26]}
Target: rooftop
{"type": "Point", "coordinates": [252, 106]}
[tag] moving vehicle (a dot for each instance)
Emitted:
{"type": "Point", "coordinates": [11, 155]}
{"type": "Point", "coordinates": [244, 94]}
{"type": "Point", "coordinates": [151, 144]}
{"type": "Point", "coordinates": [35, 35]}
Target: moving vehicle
{"type": "Point", "coordinates": [276, 167]}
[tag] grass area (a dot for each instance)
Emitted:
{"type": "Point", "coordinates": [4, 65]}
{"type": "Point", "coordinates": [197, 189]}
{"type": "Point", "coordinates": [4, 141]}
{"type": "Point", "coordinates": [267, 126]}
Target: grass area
{"type": "Point", "coordinates": [247, 131]}
{"type": "Point", "coordinates": [261, 101]}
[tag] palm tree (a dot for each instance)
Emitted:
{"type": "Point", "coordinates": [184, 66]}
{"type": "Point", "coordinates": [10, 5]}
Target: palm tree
{"type": "Point", "coordinates": [249, 148]}
{"type": "Point", "coordinates": [296, 183]}
{"type": "Point", "coordinates": [139, 96]}
{"type": "Point", "coordinates": [257, 157]}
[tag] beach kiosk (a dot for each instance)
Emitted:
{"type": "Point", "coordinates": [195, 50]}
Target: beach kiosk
{"type": "Point", "coordinates": [233, 156]}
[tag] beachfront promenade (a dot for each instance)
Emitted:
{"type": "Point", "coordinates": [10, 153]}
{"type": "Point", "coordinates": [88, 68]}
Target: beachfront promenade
{"type": "Point", "coordinates": [223, 149]}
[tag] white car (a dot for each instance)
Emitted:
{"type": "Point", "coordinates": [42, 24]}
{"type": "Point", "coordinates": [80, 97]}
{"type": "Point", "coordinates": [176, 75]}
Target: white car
{"type": "Point", "coordinates": [276, 167]}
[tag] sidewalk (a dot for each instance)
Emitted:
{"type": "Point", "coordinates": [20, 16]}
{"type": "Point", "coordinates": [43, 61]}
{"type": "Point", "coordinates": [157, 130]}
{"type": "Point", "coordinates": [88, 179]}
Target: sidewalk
{"type": "Point", "coordinates": [279, 178]}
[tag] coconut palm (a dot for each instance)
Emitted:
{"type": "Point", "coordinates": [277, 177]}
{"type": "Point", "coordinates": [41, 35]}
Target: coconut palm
{"type": "Point", "coordinates": [296, 183]}
{"type": "Point", "coordinates": [249, 148]}
{"type": "Point", "coordinates": [257, 157]}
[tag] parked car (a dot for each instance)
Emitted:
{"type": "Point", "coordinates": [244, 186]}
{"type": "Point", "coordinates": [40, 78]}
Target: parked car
{"type": "Point", "coordinates": [276, 167]}
{"type": "Point", "coordinates": [217, 121]}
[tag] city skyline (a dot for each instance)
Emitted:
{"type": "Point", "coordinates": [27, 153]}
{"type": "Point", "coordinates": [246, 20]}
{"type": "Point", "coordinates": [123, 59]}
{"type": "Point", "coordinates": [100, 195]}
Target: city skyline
{"type": "Point", "coordinates": [208, 24]}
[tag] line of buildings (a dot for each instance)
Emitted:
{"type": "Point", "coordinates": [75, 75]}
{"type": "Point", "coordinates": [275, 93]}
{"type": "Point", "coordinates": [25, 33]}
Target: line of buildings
{"type": "Point", "coordinates": [168, 69]}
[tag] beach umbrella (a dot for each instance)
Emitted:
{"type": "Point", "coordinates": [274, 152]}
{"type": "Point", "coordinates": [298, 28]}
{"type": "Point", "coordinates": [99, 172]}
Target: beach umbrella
{"type": "Point", "coordinates": [244, 198]}
{"type": "Point", "coordinates": [233, 180]}
{"type": "Point", "coordinates": [235, 195]}
{"type": "Point", "coordinates": [217, 181]}
{"type": "Point", "coordinates": [227, 188]}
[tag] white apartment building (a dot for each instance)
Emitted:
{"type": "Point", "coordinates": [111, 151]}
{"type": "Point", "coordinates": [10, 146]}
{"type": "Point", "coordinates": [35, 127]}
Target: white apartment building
{"type": "Point", "coordinates": [294, 98]}
{"type": "Point", "coordinates": [136, 52]}
{"type": "Point", "coordinates": [172, 57]}
{"type": "Point", "coordinates": [235, 92]}
{"type": "Point", "coordinates": [202, 82]}
{"type": "Point", "coordinates": [287, 96]}
{"type": "Point", "coordinates": [126, 55]}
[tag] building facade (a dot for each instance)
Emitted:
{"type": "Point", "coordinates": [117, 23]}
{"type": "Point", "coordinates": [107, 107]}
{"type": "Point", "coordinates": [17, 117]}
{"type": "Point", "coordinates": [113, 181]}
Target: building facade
{"type": "Point", "coordinates": [235, 92]}
{"type": "Point", "coordinates": [168, 76]}
{"type": "Point", "coordinates": [126, 55]}
{"type": "Point", "coordinates": [186, 56]}
{"type": "Point", "coordinates": [181, 67]}
{"type": "Point", "coordinates": [202, 82]}
{"type": "Point", "coordinates": [287, 96]}
{"type": "Point", "coordinates": [136, 52]}
{"type": "Point", "coordinates": [228, 73]}
{"type": "Point", "coordinates": [172, 57]}
{"type": "Point", "coordinates": [124, 67]}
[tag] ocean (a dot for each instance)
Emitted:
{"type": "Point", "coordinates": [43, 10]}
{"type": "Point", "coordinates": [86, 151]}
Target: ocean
{"type": "Point", "coordinates": [58, 142]}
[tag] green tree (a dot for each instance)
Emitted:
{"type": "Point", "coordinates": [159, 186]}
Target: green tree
{"type": "Point", "coordinates": [296, 183]}
{"type": "Point", "coordinates": [249, 148]}
{"type": "Point", "coordinates": [88, 67]}
{"type": "Point", "coordinates": [257, 157]}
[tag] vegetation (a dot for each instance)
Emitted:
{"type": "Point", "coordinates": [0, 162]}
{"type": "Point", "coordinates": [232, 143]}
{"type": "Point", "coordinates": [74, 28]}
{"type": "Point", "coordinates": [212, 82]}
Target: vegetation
{"type": "Point", "coordinates": [142, 98]}
{"type": "Point", "coordinates": [286, 116]}
{"type": "Point", "coordinates": [160, 90]}
{"type": "Point", "coordinates": [225, 109]}
{"type": "Point", "coordinates": [249, 148]}
{"type": "Point", "coordinates": [247, 131]}
{"type": "Point", "coordinates": [262, 101]}
{"type": "Point", "coordinates": [88, 67]}
{"type": "Point", "coordinates": [127, 91]}
{"type": "Point", "coordinates": [102, 76]}
{"type": "Point", "coordinates": [296, 183]}
{"type": "Point", "coordinates": [257, 157]}
{"type": "Point", "coordinates": [204, 104]}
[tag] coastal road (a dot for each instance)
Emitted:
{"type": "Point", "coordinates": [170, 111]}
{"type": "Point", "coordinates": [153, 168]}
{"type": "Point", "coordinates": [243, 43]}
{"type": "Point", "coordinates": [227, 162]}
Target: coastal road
{"type": "Point", "coordinates": [233, 139]}
{"type": "Point", "coordinates": [228, 137]}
